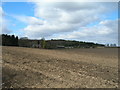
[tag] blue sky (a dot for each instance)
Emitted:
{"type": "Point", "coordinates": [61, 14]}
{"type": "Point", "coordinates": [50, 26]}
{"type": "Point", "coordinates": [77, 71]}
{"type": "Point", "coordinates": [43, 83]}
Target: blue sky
{"type": "Point", "coordinates": [17, 8]}
{"type": "Point", "coordinates": [77, 21]}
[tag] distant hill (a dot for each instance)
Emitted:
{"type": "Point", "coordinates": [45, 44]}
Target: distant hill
{"type": "Point", "coordinates": [11, 40]}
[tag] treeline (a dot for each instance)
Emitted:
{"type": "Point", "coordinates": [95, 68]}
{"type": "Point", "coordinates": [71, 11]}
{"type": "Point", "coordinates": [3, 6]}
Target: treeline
{"type": "Point", "coordinates": [9, 40]}
{"type": "Point", "coordinates": [70, 44]}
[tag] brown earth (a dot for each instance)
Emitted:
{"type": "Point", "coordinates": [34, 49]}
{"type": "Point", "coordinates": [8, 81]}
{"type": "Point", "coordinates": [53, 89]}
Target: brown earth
{"type": "Point", "coordinates": [64, 68]}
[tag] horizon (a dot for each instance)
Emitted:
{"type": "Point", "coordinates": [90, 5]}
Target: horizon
{"type": "Point", "coordinates": [62, 39]}
{"type": "Point", "coordinates": [81, 21]}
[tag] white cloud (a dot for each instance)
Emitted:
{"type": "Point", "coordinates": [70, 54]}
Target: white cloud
{"type": "Point", "coordinates": [70, 20]}
{"type": "Point", "coordinates": [1, 14]}
{"type": "Point", "coordinates": [105, 31]}
{"type": "Point", "coordinates": [48, 29]}
{"type": "Point", "coordinates": [29, 20]}
{"type": "Point", "coordinates": [3, 23]}
{"type": "Point", "coordinates": [1, 11]}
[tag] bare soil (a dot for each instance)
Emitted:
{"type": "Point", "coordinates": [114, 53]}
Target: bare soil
{"type": "Point", "coordinates": [63, 68]}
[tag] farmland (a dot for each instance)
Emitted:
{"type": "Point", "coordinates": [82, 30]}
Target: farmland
{"type": "Point", "coordinates": [59, 68]}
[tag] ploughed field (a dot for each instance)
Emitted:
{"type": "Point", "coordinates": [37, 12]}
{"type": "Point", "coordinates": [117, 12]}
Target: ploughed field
{"type": "Point", "coordinates": [60, 68]}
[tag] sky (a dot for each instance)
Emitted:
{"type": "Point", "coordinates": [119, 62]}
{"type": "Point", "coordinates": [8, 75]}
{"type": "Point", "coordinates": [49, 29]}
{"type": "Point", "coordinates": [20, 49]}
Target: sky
{"type": "Point", "coordinates": [84, 21]}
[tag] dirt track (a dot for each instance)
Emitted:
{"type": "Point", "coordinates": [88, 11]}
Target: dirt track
{"type": "Point", "coordinates": [74, 68]}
